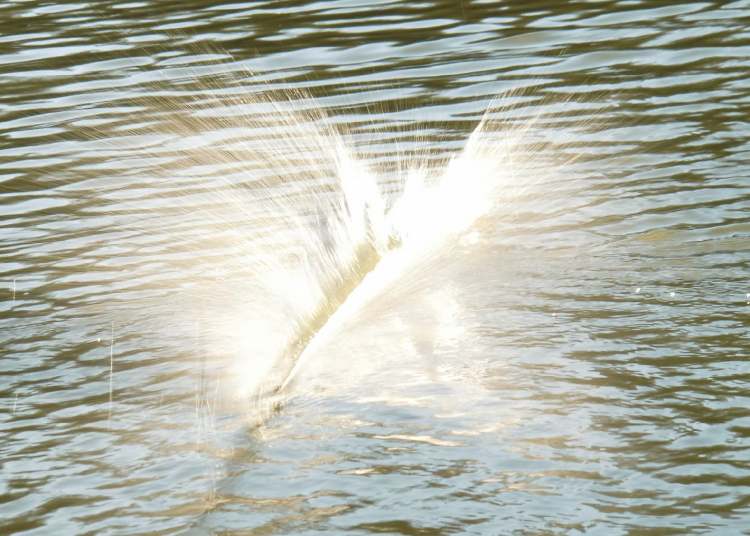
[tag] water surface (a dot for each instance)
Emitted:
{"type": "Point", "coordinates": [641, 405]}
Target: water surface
{"type": "Point", "coordinates": [579, 366]}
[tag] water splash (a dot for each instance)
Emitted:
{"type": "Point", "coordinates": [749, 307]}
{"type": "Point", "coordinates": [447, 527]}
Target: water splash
{"type": "Point", "coordinates": [313, 231]}
{"type": "Point", "coordinates": [429, 215]}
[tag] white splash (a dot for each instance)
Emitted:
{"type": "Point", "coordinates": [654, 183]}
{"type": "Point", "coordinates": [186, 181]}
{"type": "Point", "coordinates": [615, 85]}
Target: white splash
{"type": "Point", "coordinates": [430, 215]}
{"type": "Point", "coordinates": [309, 223]}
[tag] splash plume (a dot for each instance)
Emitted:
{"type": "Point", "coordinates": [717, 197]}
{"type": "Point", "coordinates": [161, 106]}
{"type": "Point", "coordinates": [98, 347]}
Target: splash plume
{"type": "Point", "coordinates": [314, 231]}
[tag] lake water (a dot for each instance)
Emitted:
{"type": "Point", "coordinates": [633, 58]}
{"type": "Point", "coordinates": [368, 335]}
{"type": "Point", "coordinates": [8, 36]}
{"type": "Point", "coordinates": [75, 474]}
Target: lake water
{"type": "Point", "coordinates": [574, 363]}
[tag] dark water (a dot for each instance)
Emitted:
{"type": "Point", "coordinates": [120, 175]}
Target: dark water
{"type": "Point", "coordinates": [583, 370]}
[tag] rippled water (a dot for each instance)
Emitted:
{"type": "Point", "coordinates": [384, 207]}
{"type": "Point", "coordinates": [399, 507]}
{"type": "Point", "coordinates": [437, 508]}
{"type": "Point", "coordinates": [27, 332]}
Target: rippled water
{"type": "Point", "coordinates": [578, 364]}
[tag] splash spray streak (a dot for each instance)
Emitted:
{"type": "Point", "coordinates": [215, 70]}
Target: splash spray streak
{"type": "Point", "coordinates": [111, 368]}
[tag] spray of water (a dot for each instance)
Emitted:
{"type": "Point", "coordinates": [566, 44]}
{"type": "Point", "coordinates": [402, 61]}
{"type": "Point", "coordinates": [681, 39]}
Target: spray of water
{"type": "Point", "coordinates": [428, 216]}
{"type": "Point", "coordinates": [314, 231]}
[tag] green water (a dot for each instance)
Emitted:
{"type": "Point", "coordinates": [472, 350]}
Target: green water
{"type": "Point", "coordinates": [583, 370]}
